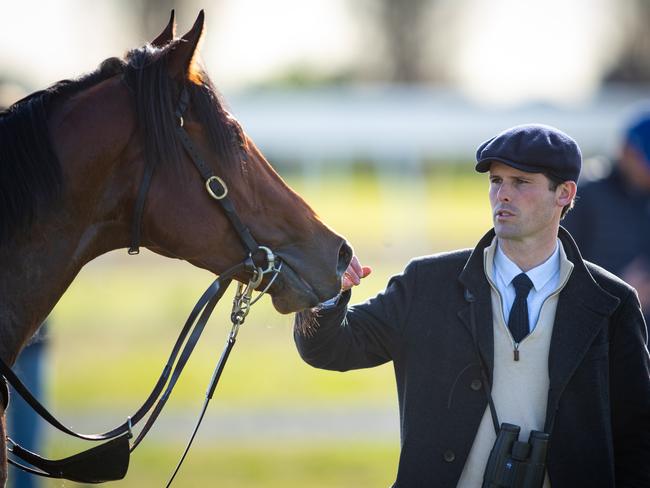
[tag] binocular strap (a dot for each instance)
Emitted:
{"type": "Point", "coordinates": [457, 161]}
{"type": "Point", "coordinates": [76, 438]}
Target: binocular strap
{"type": "Point", "coordinates": [484, 374]}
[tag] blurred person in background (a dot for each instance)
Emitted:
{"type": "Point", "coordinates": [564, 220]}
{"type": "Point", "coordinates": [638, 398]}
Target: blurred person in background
{"type": "Point", "coordinates": [563, 343]}
{"type": "Point", "coordinates": [611, 225]}
{"type": "Point", "coordinates": [24, 425]}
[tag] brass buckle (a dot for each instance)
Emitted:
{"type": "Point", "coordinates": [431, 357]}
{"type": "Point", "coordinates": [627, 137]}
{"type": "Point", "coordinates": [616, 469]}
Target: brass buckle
{"type": "Point", "coordinates": [213, 194]}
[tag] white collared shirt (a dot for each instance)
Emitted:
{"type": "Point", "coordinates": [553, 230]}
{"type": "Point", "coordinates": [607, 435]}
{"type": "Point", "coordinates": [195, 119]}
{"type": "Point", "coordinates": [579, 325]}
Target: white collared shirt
{"type": "Point", "coordinates": [545, 278]}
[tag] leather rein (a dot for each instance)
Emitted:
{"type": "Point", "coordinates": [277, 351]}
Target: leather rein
{"type": "Point", "coordinates": [109, 461]}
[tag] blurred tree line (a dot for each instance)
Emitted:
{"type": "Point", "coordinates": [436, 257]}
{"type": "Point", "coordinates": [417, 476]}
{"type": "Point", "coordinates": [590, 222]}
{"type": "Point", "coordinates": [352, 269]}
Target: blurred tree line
{"type": "Point", "coordinates": [633, 65]}
{"type": "Point", "coordinates": [408, 27]}
{"type": "Point", "coordinates": [408, 41]}
{"type": "Point", "coordinates": [411, 38]}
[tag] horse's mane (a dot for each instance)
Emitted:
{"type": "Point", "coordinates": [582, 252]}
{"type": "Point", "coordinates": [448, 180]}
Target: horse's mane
{"type": "Point", "coordinates": [156, 98]}
{"type": "Point", "coordinates": [30, 173]}
{"type": "Point", "coordinates": [31, 180]}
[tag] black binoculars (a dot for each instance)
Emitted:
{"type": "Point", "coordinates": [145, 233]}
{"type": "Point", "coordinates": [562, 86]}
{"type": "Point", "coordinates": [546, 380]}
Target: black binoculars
{"type": "Point", "coordinates": [516, 464]}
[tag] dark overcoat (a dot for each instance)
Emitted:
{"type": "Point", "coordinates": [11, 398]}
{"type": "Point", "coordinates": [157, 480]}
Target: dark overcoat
{"type": "Point", "coordinates": [599, 368]}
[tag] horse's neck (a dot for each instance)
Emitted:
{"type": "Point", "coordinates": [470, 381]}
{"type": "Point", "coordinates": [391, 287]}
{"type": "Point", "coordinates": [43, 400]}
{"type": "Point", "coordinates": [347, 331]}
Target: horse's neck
{"type": "Point", "coordinates": [37, 271]}
{"type": "Point", "coordinates": [87, 220]}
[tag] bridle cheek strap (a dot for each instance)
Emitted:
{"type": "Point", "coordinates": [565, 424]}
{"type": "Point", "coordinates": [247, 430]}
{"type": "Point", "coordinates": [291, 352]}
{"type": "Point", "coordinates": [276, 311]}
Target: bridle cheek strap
{"type": "Point", "coordinates": [214, 185]}
{"type": "Point", "coordinates": [136, 226]}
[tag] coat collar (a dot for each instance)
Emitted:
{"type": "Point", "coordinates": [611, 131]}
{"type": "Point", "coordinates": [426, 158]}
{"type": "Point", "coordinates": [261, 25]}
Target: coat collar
{"type": "Point", "coordinates": [583, 308]}
{"type": "Point", "coordinates": [477, 294]}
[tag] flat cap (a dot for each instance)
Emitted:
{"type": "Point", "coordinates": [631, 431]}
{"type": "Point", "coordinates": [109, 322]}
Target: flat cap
{"type": "Point", "coordinates": [534, 148]}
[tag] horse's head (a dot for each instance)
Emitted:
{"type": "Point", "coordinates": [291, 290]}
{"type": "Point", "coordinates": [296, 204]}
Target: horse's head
{"type": "Point", "coordinates": [180, 218]}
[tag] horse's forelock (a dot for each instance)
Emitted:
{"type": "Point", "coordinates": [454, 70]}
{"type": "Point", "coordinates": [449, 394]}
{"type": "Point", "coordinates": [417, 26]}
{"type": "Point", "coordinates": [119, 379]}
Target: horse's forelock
{"type": "Point", "coordinates": [225, 133]}
{"type": "Point", "coordinates": [156, 97]}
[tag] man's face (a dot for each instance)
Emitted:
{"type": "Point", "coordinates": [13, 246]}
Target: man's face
{"type": "Point", "coordinates": [523, 206]}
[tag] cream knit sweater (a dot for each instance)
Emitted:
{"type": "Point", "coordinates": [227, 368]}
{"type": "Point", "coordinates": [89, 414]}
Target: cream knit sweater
{"type": "Point", "coordinates": [520, 388]}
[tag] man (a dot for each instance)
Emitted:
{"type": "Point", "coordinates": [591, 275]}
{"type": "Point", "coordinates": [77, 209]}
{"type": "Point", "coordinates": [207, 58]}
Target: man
{"type": "Point", "coordinates": [612, 223]}
{"type": "Point", "coordinates": [562, 341]}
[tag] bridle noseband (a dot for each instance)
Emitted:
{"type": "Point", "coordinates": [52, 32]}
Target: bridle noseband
{"type": "Point", "coordinates": [109, 461]}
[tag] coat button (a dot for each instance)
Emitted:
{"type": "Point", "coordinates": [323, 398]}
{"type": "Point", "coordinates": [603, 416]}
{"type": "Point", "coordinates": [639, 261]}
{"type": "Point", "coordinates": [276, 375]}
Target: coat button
{"type": "Point", "coordinates": [449, 455]}
{"type": "Point", "coordinates": [476, 385]}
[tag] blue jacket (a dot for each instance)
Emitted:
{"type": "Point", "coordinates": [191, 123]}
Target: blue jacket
{"type": "Point", "coordinates": [599, 368]}
{"type": "Point", "coordinates": [611, 224]}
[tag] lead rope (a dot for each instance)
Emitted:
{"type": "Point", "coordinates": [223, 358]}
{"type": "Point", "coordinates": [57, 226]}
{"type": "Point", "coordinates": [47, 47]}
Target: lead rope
{"type": "Point", "coordinates": [242, 303]}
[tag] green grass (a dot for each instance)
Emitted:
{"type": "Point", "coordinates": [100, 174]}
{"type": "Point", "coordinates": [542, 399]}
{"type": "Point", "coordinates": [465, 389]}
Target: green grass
{"type": "Point", "coordinates": [113, 329]}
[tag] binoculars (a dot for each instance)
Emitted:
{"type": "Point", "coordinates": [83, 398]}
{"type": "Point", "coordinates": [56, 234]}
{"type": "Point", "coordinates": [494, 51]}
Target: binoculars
{"type": "Point", "coordinates": [516, 464]}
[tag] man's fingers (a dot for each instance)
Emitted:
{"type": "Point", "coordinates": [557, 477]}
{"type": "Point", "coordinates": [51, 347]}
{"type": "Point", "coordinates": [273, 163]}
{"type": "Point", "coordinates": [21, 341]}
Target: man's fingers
{"type": "Point", "coordinates": [346, 284]}
{"type": "Point", "coordinates": [355, 266]}
{"type": "Point", "coordinates": [365, 271]}
{"type": "Point", "coordinates": [354, 274]}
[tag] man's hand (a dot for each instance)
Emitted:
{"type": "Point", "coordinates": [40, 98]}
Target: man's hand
{"type": "Point", "coordinates": [354, 274]}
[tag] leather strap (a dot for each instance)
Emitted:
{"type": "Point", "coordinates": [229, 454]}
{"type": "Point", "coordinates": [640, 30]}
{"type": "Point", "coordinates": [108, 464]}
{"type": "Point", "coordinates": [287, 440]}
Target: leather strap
{"type": "Point", "coordinates": [136, 226]}
{"type": "Point", "coordinates": [207, 301]}
{"type": "Point", "coordinates": [208, 396]}
{"type": "Point", "coordinates": [107, 462]}
{"type": "Point", "coordinates": [212, 300]}
{"type": "Point", "coordinates": [469, 297]}
{"type": "Point", "coordinates": [57, 468]}
{"type": "Point", "coordinates": [209, 178]}
{"type": "Point", "coordinates": [216, 186]}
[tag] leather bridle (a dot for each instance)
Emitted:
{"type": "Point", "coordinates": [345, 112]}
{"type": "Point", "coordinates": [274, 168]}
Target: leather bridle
{"type": "Point", "coordinates": [109, 461]}
{"type": "Point", "coordinates": [214, 185]}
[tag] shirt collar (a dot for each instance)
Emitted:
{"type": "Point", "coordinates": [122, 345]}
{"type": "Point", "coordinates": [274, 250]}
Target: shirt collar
{"type": "Point", "coordinates": [539, 275]}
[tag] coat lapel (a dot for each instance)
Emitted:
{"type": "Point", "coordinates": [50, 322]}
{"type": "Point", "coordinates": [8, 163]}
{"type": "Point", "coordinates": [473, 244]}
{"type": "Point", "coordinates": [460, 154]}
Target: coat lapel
{"type": "Point", "coordinates": [582, 310]}
{"type": "Point", "coordinates": [477, 295]}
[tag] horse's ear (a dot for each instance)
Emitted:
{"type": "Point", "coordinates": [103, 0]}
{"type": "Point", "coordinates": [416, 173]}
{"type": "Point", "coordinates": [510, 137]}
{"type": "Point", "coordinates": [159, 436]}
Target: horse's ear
{"type": "Point", "coordinates": [168, 34]}
{"type": "Point", "coordinates": [181, 61]}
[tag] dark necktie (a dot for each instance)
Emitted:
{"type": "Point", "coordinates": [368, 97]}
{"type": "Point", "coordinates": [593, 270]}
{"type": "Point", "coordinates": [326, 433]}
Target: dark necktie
{"type": "Point", "coordinates": [518, 320]}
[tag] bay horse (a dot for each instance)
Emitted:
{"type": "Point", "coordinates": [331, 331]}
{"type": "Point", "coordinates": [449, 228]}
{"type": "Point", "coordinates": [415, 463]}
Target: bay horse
{"type": "Point", "coordinates": [74, 159]}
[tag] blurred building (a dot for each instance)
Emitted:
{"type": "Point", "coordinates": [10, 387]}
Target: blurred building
{"type": "Point", "coordinates": [405, 125]}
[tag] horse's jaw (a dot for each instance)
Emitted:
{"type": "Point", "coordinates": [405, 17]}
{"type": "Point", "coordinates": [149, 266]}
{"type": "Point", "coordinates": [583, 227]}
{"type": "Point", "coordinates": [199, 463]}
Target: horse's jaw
{"type": "Point", "coordinates": [291, 293]}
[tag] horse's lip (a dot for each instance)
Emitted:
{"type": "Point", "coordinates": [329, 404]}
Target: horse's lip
{"type": "Point", "coordinates": [291, 282]}
{"type": "Point", "coordinates": [286, 266]}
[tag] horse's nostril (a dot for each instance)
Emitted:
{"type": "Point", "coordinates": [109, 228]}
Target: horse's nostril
{"type": "Point", "coordinates": [345, 256]}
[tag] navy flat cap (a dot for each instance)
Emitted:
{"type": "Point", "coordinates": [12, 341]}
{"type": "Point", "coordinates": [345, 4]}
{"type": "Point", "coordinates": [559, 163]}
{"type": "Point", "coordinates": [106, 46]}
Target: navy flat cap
{"type": "Point", "coordinates": [534, 148]}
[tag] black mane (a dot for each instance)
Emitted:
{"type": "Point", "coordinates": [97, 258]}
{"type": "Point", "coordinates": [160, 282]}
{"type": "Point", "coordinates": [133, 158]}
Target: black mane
{"type": "Point", "coordinates": [31, 178]}
{"type": "Point", "coordinates": [30, 173]}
